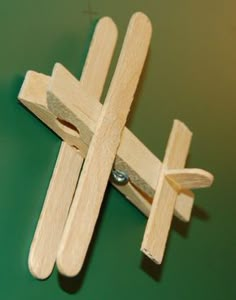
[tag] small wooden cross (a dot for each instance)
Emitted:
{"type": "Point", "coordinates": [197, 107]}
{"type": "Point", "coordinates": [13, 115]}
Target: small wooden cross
{"type": "Point", "coordinates": [97, 133]}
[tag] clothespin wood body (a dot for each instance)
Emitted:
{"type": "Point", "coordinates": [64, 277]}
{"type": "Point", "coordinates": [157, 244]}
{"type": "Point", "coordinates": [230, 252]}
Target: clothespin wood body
{"type": "Point", "coordinates": [96, 132]}
{"type": "Point", "coordinates": [143, 168]}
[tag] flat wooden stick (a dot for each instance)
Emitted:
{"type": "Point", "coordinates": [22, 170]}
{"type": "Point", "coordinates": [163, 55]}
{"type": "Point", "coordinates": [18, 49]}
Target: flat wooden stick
{"type": "Point", "coordinates": [95, 174]}
{"type": "Point", "coordinates": [52, 219]}
{"type": "Point", "coordinates": [189, 178]}
{"type": "Point", "coordinates": [62, 186]}
{"type": "Point", "coordinates": [158, 225]}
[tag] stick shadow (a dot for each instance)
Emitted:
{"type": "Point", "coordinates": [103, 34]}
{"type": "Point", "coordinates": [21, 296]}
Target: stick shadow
{"type": "Point", "coordinates": [72, 285]}
{"type": "Point", "coordinates": [155, 271]}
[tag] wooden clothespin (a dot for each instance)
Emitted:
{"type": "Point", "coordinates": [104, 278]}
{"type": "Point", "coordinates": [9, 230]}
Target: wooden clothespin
{"type": "Point", "coordinates": [96, 132]}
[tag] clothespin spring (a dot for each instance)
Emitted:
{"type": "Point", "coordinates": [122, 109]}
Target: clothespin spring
{"type": "Point", "coordinates": [119, 177]}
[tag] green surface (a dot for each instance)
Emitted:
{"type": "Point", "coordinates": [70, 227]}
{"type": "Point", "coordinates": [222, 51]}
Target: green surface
{"type": "Point", "coordinates": [190, 75]}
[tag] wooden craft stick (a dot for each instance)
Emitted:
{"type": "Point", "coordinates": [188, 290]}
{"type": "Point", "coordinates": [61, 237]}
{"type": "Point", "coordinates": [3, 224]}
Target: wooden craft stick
{"type": "Point", "coordinates": [95, 174]}
{"type": "Point", "coordinates": [50, 226]}
{"type": "Point", "coordinates": [189, 178]}
{"type": "Point", "coordinates": [62, 186]}
{"type": "Point", "coordinates": [159, 221]}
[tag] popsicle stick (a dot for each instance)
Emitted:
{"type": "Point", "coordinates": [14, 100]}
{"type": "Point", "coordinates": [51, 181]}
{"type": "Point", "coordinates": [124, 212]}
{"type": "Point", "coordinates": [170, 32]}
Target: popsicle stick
{"type": "Point", "coordinates": [52, 219]}
{"type": "Point", "coordinates": [62, 186]}
{"type": "Point", "coordinates": [162, 210]}
{"type": "Point", "coordinates": [95, 174]}
{"type": "Point", "coordinates": [189, 178]}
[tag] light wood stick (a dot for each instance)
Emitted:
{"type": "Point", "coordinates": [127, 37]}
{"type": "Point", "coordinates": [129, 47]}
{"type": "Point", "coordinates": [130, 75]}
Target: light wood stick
{"type": "Point", "coordinates": [95, 174]}
{"type": "Point", "coordinates": [189, 178]}
{"type": "Point", "coordinates": [62, 186]}
{"type": "Point", "coordinates": [50, 226]}
{"type": "Point", "coordinates": [159, 221]}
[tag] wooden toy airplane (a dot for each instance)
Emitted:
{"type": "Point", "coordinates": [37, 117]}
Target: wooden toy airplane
{"type": "Point", "coordinates": [97, 133]}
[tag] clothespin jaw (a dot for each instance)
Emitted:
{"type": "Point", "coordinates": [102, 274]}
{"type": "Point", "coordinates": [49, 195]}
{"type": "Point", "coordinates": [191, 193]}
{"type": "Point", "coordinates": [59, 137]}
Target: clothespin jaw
{"type": "Point", "coordinates": [97, 133]}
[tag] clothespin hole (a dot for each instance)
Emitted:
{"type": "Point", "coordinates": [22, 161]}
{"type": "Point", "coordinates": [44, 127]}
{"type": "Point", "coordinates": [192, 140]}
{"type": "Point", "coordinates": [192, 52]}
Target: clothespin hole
{"type": "Point", "coordinates": [67, 127]}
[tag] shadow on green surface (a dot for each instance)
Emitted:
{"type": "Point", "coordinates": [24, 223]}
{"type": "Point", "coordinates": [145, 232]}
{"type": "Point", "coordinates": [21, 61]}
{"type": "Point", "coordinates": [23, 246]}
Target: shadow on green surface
{"type": "Point", "coordinates": [183, 228]}
{"type": "Point", "coordinates": [73, 285]}
{"type": "Point", "coordinates": [86, 46]}
{"type": "Point", "coordinates": [200, 213]}
{"type": "Point", "coordinates": [139, 90]}
{"type": "Point", "coordinates": [155, 271]}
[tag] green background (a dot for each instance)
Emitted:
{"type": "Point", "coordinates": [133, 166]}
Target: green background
{"type": "Point", "coordinates": [190, 74]}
